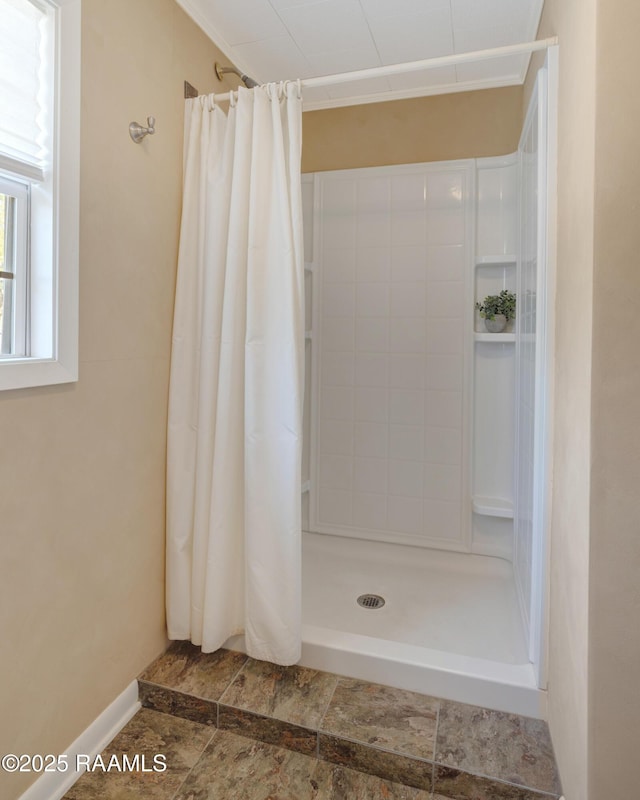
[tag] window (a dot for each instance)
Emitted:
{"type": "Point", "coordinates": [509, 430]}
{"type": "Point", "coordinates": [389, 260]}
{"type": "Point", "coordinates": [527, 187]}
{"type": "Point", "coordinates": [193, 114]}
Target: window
{"type": "Point", "coordinates": [39, 166]}
{"type": "Point", "coordinates": [14, 237]}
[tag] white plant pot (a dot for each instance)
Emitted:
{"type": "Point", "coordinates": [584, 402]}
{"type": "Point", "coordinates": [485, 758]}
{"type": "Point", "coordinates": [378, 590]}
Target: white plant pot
{"type": "Point", "coordinates": [497, 324]}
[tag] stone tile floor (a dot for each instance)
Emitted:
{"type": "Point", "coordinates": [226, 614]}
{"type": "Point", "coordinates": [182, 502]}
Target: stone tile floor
{"type": "Point", "coordinates": [232, 727]}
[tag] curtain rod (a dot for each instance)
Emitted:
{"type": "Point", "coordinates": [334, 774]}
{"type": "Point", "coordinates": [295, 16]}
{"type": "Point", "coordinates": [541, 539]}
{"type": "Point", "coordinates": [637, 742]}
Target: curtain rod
{"type": "Point", "coordinates": [427, 63]}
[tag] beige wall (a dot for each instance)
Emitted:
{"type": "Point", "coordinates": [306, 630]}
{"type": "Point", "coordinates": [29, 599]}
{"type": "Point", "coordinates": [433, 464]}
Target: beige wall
{"type": "Point", "coordinates": [614, 625]}
{"type": "Point", "coordinates": [439, 128]}
{"type": "Point", "coordinates": [574, 21]}
{"type": "Point", "coordinates": [595, 595]}
{"type": "Point", "coordinates": [82, 465]}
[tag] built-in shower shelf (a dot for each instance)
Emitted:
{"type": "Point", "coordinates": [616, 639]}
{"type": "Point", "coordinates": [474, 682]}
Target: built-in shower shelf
{"type": "Point", "coordinates": [308, 335]}
{"type": "Point", "coordinates": [495, 338]}
{"type": "Point", "coordinates": [493, 507]}
{"type": "Point", "coordinates": [306, 487]}
{"type": "Point", "coordinates": [497, 261]}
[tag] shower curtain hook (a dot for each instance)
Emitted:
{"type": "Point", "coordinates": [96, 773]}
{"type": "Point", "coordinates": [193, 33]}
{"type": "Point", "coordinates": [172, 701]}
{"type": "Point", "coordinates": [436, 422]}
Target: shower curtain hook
{"type": "Point", "coordinates": [233, 98]}
{"type": "Point", "coordinates": [299, 85]}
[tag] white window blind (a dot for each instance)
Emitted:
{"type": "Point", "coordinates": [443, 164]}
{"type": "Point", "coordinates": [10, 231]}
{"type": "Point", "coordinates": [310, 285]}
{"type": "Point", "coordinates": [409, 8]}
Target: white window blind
{"type": "Point", "coordinates": [23, 115]}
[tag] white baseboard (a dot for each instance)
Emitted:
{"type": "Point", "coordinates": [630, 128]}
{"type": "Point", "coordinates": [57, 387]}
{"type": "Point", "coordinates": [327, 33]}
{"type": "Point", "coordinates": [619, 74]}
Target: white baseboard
{"type": "Point", "coordinates": [53, 785]}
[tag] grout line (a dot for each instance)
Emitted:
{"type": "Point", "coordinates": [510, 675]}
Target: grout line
{"type": "Point", "coordinates": [195, 764]}
{"type": "Point", "coordinates": [327, 706]}
{"type": "Point", "coordinates": [378, 749]}
{"type": "Point", "coordinates": [502, 781]}
{"type": "Point", "coordinates": [176, 691]}
{"type": "Point", "coordinates": [232, 681]}
{"type": "Point", "coordinates": [257, 715]}
{"type": "Point", "coordinates": [393, 778]}
{"type": "Point", "coordinates": [256, 737]}
{"type": "Point", "coordinates": [435, 738]}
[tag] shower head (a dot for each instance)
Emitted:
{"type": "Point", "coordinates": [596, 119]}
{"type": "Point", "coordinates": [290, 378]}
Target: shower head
{"type": "Point", "coordinates": [248, 82]}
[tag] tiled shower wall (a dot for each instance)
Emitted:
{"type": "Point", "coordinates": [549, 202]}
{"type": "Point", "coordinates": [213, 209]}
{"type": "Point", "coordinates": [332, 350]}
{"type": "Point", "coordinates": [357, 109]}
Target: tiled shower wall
{"type": "Point", "coordinates": [391, 294]}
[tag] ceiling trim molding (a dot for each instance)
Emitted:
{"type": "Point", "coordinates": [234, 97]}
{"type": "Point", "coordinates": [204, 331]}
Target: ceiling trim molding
{"type": "Point", "coordinates": [407, 94]}
{"type": "Point", "coordinates": [205, 24]}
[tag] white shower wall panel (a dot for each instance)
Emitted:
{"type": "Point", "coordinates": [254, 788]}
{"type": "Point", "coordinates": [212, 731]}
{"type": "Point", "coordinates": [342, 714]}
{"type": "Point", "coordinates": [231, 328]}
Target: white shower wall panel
{"type": "Point", "coordinates": [497, 233]}
{"type": "Point", "coordinates": [392, 299]}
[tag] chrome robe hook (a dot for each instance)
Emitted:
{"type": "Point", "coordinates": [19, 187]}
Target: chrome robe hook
{"type": "Point", "coordinates": [138, 131]}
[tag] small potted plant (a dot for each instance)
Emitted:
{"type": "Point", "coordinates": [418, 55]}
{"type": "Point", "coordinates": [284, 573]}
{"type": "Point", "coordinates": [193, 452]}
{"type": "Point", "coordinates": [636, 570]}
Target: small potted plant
{"type": "Point", "coordinates": [497, 310]}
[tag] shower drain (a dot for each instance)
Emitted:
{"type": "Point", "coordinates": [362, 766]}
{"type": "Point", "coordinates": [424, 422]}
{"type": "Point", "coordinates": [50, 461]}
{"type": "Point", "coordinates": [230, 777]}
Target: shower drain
{"type": "Point", "coordinates": [371, 601]}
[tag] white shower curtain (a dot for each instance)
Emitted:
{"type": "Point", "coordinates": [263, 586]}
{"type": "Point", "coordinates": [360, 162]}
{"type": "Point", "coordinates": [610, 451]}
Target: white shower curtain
{"type": "Point", "coordinates": [235, 398]}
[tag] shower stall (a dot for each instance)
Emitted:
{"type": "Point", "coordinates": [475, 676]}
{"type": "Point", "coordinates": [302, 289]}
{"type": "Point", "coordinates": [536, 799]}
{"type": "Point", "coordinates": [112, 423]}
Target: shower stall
{"type": "Point", "coordinates": [425, 474]}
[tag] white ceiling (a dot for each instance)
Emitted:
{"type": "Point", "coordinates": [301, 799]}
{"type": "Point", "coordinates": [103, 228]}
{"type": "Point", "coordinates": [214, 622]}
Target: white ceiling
{"type": "Point", "coordinates": [273, 40]}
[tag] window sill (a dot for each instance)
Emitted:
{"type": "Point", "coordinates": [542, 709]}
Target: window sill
{"type": "Point", "coordinates": [25, 373]}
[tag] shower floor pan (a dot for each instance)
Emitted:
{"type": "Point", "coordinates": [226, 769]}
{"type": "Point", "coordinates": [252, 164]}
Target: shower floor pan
{"type": "Point", "coordinates": [449, 627]}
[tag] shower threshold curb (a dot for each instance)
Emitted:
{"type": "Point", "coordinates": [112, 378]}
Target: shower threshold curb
{"type": "Point", "coordinates": [421, 773]}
